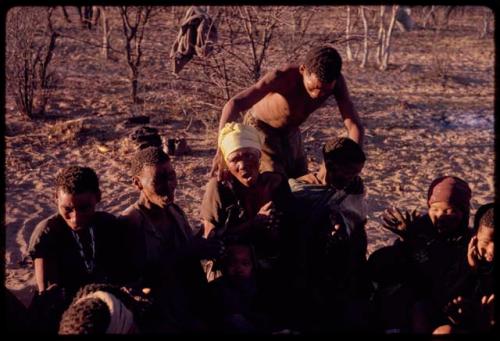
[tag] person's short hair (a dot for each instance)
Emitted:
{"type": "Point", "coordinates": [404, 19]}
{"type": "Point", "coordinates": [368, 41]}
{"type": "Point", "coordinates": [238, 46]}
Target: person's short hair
{"type": "Point", "coordinates": [89, 316]}
{"type": "Point", "coordinates": [343, 150]}
{"type": "Point", "coordinates": [149, 156]}
{"type": "Point", "coordinates": [77, 180]}
{"type": "Point", "coordinates": [92, 315]}
{"type": "Point", "coordinates": [485, 217]}
{"type": "Point", "coordinates": [325, 62]}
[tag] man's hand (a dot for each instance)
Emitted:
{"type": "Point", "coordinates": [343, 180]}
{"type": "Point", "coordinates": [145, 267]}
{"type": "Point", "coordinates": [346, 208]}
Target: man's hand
{"type": "Point", "coordinates": [473, 253]}
{"type": "Point", "coordinates": [398, 222]}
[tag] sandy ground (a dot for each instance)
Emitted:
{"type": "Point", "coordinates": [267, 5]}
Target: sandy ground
{"type": "Point", "coordinates": [419, 125]}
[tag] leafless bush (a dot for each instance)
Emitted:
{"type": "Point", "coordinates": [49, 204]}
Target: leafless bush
{"type": "Point", "coordinates": [30, 45]}
{"type": "Point", "coordinates": [134, 20]}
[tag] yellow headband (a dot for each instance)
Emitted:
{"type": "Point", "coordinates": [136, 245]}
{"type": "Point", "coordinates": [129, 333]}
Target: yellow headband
{"type": "Point", "coordinates": [235, 136]}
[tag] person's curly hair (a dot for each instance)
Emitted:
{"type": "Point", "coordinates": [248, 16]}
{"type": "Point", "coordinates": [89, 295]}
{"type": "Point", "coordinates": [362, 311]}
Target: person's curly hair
{"type": "Point", "coordinates": [325, 62]}
{"type": "Point", "coordinates": [484, 217]}
{"type": "Point", "coordinates": [343, 150]}
{"type": "Point", "coordinates": [92, 316]}
{"type": "Point", "coordinates": [77, 180]}
{"type": "Point", "coordinates": [147, 157]}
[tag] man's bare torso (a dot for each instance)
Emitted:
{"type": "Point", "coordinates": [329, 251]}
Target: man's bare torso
{"type": "Point", "coordinates": [290, 105]}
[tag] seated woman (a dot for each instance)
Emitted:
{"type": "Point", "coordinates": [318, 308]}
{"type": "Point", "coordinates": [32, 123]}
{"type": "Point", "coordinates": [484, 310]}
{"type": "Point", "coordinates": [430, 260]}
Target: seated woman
{"type": "Point", "coordinates": [244, 204]}
{"type": "Point", "coordinates": [432, 247]}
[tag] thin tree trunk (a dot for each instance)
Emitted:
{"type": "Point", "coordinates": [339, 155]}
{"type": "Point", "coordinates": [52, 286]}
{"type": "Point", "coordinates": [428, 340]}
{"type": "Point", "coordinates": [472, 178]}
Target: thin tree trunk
{"type": "Point", "coordinates": [348, 34]}
{"type": "Point", "coordinates": [365, 41]}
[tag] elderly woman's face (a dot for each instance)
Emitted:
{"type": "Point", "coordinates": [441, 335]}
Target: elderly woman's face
{"type": "Point", "coordinates": [243, 164]}
{"type": "Point", "coordinates": [445, 217]}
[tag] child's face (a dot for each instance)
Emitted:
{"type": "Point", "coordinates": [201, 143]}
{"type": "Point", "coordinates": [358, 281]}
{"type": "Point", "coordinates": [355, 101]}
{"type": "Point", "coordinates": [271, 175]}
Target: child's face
{"type": "Point", "coordinates": [486, 244]}
{"type": "Point", "coordinates": [239, 263]}
{"type": "Point", "coordinates": [314, 87]}
{"type": "Point", "coordinates": [159, 183]}
{"type": "Point", "coordinates": [77, 210]}
{"type": "Point", "coordinates": [243, 164]}
{"type": "Point", "coordinates": [340, 175]}
{"type": "Point", "coordinates": [445, 217]}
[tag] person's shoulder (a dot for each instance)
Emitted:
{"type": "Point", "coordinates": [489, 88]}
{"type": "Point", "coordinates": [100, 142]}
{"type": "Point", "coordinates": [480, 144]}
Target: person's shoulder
{"type": "Point", "coordinates": [51, 223]}
{"type": "Point", "coordinates": [104, 217]}
{"type": "Point", "coordinates": [130, 216]}
{"type": "Point", "coordinates": [285, 72]}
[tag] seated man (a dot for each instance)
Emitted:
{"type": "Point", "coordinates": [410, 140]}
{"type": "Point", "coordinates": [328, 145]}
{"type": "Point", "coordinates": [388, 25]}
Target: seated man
{"type": "Point", "coordinates": [75, 246]}
{"type": "Point", "coordinates": [333, 242]}
{"type": "Point", "coordinates": [165, 254]}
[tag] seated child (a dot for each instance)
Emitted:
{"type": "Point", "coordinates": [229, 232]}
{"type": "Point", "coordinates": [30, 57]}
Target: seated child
{"type": "Point", "coordinates": [473, 298]}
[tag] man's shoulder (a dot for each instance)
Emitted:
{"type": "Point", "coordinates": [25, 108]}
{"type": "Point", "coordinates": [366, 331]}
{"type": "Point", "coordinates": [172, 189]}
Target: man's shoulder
{"type": "Point", "coordinates": [53, 222]}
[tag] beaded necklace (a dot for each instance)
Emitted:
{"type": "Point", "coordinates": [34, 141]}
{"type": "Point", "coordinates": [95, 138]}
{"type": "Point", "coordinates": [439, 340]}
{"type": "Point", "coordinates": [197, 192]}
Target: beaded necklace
{"type": "Point", "coordinates": [89, 264]}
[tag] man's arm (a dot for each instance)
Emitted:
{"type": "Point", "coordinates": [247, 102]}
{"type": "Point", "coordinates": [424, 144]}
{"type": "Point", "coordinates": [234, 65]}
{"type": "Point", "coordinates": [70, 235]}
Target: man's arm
{"type": "Point", "coordinates": [349, 114]}
{"type": "Point", "coordinates": [45, 274]}
{"type": "Point", "coordinates": [273, 81]}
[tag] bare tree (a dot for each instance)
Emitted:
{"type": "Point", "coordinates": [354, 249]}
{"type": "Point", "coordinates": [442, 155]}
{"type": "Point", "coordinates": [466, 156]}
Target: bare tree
{"type": "Point", "coordinates": [384, 36]}
{"type": "Point", "coordinates": [31, 41]}
{"type": "Point", "coordinates": [134, 21]}
{"type": "Point", "coordinates": [106, 31]}
{"type": "Point", "coordinates": [348, 30]}
{"type": "Point", "coordinates": [364, 58]}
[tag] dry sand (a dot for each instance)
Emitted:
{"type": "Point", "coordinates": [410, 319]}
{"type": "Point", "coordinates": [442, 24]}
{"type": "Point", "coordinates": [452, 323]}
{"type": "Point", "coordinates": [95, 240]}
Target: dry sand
{"type": "Point", "coordinates": [418, 126]}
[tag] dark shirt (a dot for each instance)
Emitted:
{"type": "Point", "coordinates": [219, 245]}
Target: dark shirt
{"type": "Point", "coordinates": [53, 240]}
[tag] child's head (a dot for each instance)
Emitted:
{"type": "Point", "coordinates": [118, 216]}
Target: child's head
{"type": "Point", "coordinates": [238, 262]}
{"type": "Point", "coordinates": [320, 70]}
{"type": "Point", "coordinates": [98, 309]}
{"type": "Point", "coordinates": [154, 176]}
{"type": "Point", "coordinates": [486, 234]}
{"type": "Point", "coordinates": [343, 159]}
{"type": "Point", "coordinates": [77, 193]}
{"type": "Point", "coordinates": [448, 199]}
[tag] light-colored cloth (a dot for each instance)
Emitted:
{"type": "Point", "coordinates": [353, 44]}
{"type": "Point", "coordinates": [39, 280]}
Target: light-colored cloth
{"type": "Point", "coordinates": [122, 319]}
{"type": "Point", "coordinates": [450, 189]}
{"type": "Point", "coordinates": [235, 136]}
{"type": "Point", "coordinates": [197, 35]}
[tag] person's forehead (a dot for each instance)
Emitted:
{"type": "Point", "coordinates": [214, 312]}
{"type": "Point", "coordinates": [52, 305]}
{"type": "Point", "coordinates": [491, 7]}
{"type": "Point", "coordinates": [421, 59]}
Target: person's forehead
{"type": "Point", "coordinates": [443, 205]}
{"type": "Point", "coordinates": [65, 197]}
{"type": "Point", "coordinates": [245, 151]}
{"type": "Point", "coordinates": [486, 234]}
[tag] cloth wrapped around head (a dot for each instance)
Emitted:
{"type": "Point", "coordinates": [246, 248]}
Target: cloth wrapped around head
{"type": "Point", "coordinates": [452, 190]}
{"type": "Point", "coordinates": [235, 136]}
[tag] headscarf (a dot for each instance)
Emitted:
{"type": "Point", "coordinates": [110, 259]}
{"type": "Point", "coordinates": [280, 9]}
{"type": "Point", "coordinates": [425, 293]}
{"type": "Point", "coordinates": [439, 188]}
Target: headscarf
{"type": "Point", "coordinates": [235, 136]}
{"type": "Point", "coordinates": [122, 318]}
{"type": "Point", "coordinates": [452, 190]}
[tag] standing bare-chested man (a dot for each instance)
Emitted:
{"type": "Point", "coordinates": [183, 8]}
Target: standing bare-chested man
{"type": "Point", "coordinates": [283, 99]}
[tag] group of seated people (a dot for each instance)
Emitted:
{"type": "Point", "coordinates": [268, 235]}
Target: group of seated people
{"type": "Point", "coordinates": [274, 255]}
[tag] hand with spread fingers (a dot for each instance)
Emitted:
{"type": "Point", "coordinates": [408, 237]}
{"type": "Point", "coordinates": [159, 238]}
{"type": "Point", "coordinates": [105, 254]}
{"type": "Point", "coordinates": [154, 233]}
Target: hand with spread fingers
{"type": "Point", "coordinates": [398, 222]}
{"type": "Point", "coordinates": [269, 217]}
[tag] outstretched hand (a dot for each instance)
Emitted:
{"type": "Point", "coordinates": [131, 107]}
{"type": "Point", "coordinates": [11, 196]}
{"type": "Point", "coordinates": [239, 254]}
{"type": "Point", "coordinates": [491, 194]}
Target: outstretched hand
{"type": "Point", "coordinates": [269, 217]}
{"type": "Point", "coordinates": [398, 222]}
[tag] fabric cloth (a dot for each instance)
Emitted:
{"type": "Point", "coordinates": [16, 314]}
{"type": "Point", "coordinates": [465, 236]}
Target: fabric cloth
{"type": "Point", "coordinates": [450, 189]}
{"type": "Point", "coordinates": [196, 36]}
{"type": "Point", "coordinates": [122, 319]}
{"type": "Point", "coordinates": [235, 136]}
{"type": "Point", "coordinates": [282, 149]}
{"type": "Point", "coordinates": [52, 239]}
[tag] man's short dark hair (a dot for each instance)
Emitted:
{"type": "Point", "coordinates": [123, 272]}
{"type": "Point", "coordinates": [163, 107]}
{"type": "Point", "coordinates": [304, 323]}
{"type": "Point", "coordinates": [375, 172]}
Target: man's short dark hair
{"type": "Point", "coordinates": [325, 62]}
{"type": "Point", "coordinates": [343, 150]}
{"type": "Point", "coordinates": [77, 180]}
{"type": "Point", "coordinates": [148, 157]}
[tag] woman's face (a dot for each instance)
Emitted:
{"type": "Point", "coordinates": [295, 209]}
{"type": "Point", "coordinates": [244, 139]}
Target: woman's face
{"type": "Point", "coordinates": [243, 164]}
{"type": "Point", "coordinates": [445, 217]}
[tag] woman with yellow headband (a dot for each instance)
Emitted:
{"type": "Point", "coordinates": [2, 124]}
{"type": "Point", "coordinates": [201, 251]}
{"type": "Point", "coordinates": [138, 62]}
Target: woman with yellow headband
{"type": "Point", "coordinates": [243, 204]}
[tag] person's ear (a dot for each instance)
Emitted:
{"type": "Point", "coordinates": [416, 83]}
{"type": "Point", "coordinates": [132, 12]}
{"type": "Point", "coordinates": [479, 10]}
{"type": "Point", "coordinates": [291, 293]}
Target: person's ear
{"type": "Point", "coordinates": [136, 181]}
{"type": "Point", "coordinates": [302, 69]}
{"type": "Point", "coordinates": [56, 196]}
